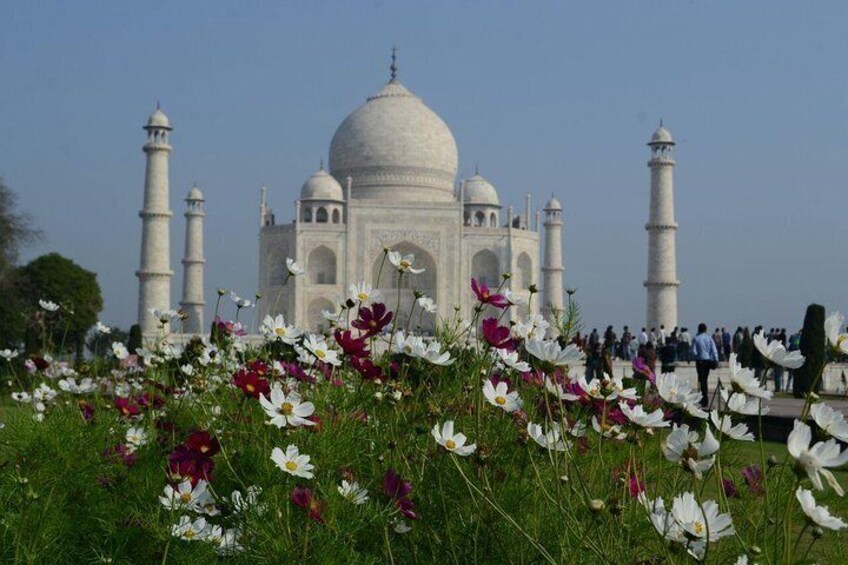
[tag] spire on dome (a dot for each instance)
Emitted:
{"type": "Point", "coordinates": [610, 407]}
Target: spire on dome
{"type": "Point", "coordinates": [321, 166]}
{"type": "Point", "coordinates": [394, 67]}
{"type": "Point", "coordinates": [476, 169]}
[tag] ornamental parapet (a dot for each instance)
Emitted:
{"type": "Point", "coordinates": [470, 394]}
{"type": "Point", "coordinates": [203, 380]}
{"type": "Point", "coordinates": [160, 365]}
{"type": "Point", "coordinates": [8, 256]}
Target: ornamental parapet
{"type": "Point", "coordinates": [193, 261]}
{"type": "Point", "coordinates": [662, 161]}
{"type": "Point", "coordinates": [671, 226]}
{"type": "Point", "coordinates": [155, 146]}
{"type": "Point", "coordinates": [154, 274]}
{"type": "Point", "coordinates": [661, 283]}
{"type": "Point", "coordinates": [155, 214]}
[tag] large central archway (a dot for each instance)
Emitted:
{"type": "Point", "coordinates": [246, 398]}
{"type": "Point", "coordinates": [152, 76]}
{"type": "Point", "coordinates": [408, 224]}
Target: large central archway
{"type": "Point", "coordinates": [426, 283]}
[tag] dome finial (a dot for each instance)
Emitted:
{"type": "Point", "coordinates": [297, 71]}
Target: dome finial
{"type": "Point", "coordinates": [321, 166]}
{"type": "Point", "coordinates": [661, 124]}
{"type": "Point", "coordinates": [394, 67]}
{"type": "Point", "coordinates": [476, 169]}
{"type": "Point", "coordinates": [157, 104]}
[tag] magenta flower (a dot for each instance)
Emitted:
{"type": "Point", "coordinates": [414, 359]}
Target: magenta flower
{"type": "Point", "coordinates": [398, 490]}
{"type": "Point", "coordinates": [127, 408]}
{"type": "Point", "coordinates": [302, 497]}
{"type": "Point", "coordinates": [486, 296]}
{"type": "Point", "coordinates": [372, 320]}
{"type": "Point", "coordinates": [729, 488]}
{"type": "Point", "coordinates": [352, 346]}
{"type": "Point", "coordinates": [497, 336]}
{"type": "Point", "coordinates": [753, 476]}
{"type": "Point", "coordinates": [635, 486]}
{"type": "Point", "coordinates": [640, 367]}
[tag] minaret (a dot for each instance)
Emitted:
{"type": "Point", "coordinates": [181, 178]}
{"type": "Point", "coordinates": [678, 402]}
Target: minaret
{"type": "Point", "coordinates": [552, 302]}
{"type": "Point", "coordinates": [193, 263]}
{"type": "Point", "coordinates": [154, 273]}
{"type": "Point", "coordinates": [662, 280]}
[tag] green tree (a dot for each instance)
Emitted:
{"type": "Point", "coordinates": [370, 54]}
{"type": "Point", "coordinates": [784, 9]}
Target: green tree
{"type": "Point", "coordinates": [56, 278]}
{"type": "Point", "coordinates": [813, 348]}
{"type": "Point", "coordinates": [15, 232]}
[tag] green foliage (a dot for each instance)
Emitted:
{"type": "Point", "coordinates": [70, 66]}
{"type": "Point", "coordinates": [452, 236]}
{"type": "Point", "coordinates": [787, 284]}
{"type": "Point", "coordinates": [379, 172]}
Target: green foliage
{"type": "Point", "coordinates": [101, 344]}
{"type": "Point", "coordinates": [813, 348]}
{"type": "Point", "coordinates": [135, 340]}
{"type": "Point", "coordinates": [56, 278]}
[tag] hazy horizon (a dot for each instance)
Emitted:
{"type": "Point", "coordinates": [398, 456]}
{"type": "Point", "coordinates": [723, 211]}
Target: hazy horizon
{"type": "Point", "coordinates": [546, 99]}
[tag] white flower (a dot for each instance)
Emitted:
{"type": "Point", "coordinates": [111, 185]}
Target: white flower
{"type": "Point", "coordinates": [187, 369]}
{"type": "Point", "coordinates": [44, 393]}
{"type": "Point", "coordinates": [292, 462]}
{"type": "Point", "coordinates": [682, 447]}
{"type": "Point", "coordinates": [558, 391]}
{"type": "Point", "coordinates": [776, 353]}
{"type": "Point", "coordinates": [428, 304]}
{"type": "Point", "coordinates": [608, 388]}
{"type": "Point", "coordinates": [608, 429]}
{"type": "Point", "coordinates": [403, 263]}
{"type": "Point", "coordinates": [831, 422]}
{"type": "Point", "coordinates": [819, 515]}
{"type": "Point", "coordinates": [399, 526]}
{"type": "Point", "coordinates": [534, 327]}
{"type": "Point", "coordinates": [9, 354]}
{"type": "Point", "coordinates": [815, 459]}
{"type": "Point", "coordinates": [293, 268]}
{"type": "Point", "coordinates": [48, 305]}
{"type": "Point", "coordinates": [186, 497]}
{"type": "Point", "coordinates": [724, 424]}
{"type": "Point", "coordinates": [120, 350]}
{"type": "Point", "coordinates": [551, 440]}
{"type": "Point", "coordinates": [679, 392]}
{"type": "Point", "coordinates": [514, 298]}
{"type": "Point", "coordinates": [136, 437]}
{"type": "Point", "coordinates": [164, 316]}
{"type": "Point", "coordinates": [319, 348]}
{"type": "Point", "coordinates": [549, 351]}
{"type": "Point", "coordinates": [739, 403]}
{"type": "Point", "coordinates": [286, 409]}
{"type": "Point", "coordinates": [240, 302]}
{"type": "Point", "coordinates": [23, 397]}
{"type": "Point", "coordinates": [364, 293]}
{"type": "Point", "coordinates": [190, 531]}
{"type": "Point", "coordinates": [242, 503]}
{"type": "Point", "coordinates": [229, 542]}
{"type": "Point", "coordinates": [500, 397]}
{"type": "Point", "coordinates": [454, 443]}
{"type": "Point", "coordinates": [700, 522]}
{"type": "Point", "coordinates": [353, 493]}
{"type": "Point", "coordinates": [638, 416]}
{"type": "Point", "coordinates": [742, 380]}
{"type": "Point", "coordinates": [102, 328]}
{"type": "Point", "coordinates": [832, 325]}
{"type": "Point", "coordinates": [70, 385]}
{"type": "Point", "coordinates": [510, 359]}
{"type": "Point", "coordinates": [432, 353]}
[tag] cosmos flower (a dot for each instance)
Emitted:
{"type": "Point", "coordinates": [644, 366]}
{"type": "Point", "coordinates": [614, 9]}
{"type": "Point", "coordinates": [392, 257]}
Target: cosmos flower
{"type": "Point", "coordinates": [399, 490]}
{"type": "Point", "coordinates": [427, 304]}
{"type": "Point", "coordinates": [364, 293]}
{"type": "Point", "coordinates": [742, 380]}
{"type": "Point", "coordinates": [136, 437]}
{"type": "Point", "coordinates": [724, 424]}
{"type": "Point", "coordinates": [815, 460]}
{"type": "Point", "coordinates": [9, 354]}
{"type": "Point", "coordinates": [678, 391]}
{"type": "Point", "coordinates": [293, 268]}
{"type": "Point", "coordinates": [495, 335]}
{"type": "Point", "coordinates": [510, 359]}
{"type": "Point", "coordinates": [700, 521]}
{"type": "Point", "coordinates": [818, 515]}
{"type": "Point", "coordinates": [739, 403]}
{"type": "Point", "coordinates": [303, 497]}
{"type": "Point", "coordinates": [608, 388]}
{"type": "Point", "coordinates": [292, 462]}
{"type": "Point", "coordinates": [164, 316]}
{"type": "Point", "coordinates": [102, 328]}
{"type": "Point", "coordinates": [552, 439]}
{"type": "Point", "coordinates": [549, 351]}
{"type": "Point", "coordinates": [753, 476]}
{"type": "Point", "coordinates": [608, 428]}
{"type": "Point", "coordinates": [533, 327]}
{"type": "Point", "coordinates": [189, 530]}
{"type": "Point", "coordinates": [453, 442]}
{"type": "Point", "coordinates": [286, 409]}
{"type": "Point", "coordinates": [240, 302]}
{"type": "Point", "coordinates": [513, 298]}
{"type": "Point", "coordinates": [372, 320]}
{"type": "Point", "coordinates": [830, 421]}
{"type": "Point", "coordinates": [638, 416]}
{"type": "Point", "coordinates": [185, 496]}
{"type": "Point", "coordinates": [500, 397]}
{"type": "Point", "coordinates": [775, 352]}
{"type": "Point", "coordinates": [403, 263]}
{"type": "Point", "coordinates": [277, 329]}
{"type": "Point", "coordinates": [559, 391]}
{"type": "Point", "coordinates": [837, 340]}
{"type": "Point", "coordinates": [353, 493]}
{"type": "Point", "coordinates": [250, 383]}
{"type": "Point", "coordinates": [243, 503]}
{"type": "Point", "coordinates": [48, 305]}
{"type": "Point", "coordinates": [120, 350]}
{"type": "Point", "coordinates": [682, 447]}
{"type": "Point", "coordinates": [202, 444]}
{"type": "Point", "coordinates": [71, 386]}
{"type": "Point", "coordinates": [486, 296]}
{"type": "Point", "coordinates": [352, 346]}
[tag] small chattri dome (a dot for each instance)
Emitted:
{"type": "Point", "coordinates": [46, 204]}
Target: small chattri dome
{"type": "Point", "coordinates": [662, 135]}
{"type": "Point", "coordinates": [321, 186]}
{"type": "Point", "coordinates": [158, 119]}
{"type": "Point", "coordinates": [194, 194]}
{"type": "Point", "coordinates": [553, 204]}
{"type": "Point", "coordinates": [480, 191]}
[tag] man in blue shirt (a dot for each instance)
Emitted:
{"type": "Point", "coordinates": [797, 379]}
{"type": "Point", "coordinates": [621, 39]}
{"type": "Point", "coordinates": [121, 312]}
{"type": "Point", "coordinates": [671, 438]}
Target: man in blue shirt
{"type": "Point", "coordinates": [705, 354]}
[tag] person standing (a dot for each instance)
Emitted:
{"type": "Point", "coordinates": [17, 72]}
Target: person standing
{"type": "Point", "coordinates": [668, 355]}
{"type": "Point", "coordinates": [652, 337]}
{"type": "Point", "coordinates": [643, 338]}
{"type": "Point", "coordinates": [726, 343]}
{"type": "Point", "coordinates": [685, 344]}
{"type": "Point", "coordinates": [626, 338]}
{"type": "Point", "coordinates": [737, 339]}
{"type": "Point", "coordinates": [705, 354]}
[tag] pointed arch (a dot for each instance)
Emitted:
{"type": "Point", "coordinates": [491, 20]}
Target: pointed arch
{"type": "Point", "coordinates": [321, 266]}
{"type": "Point", "coordinates": [321, 216]}
{"type": "Point", "coordinates": [525, 270]}
{"type": "Point", "coordinates": [485, 267]}
{"type": "Point", "coordinates": [336, 216]}
{"type": "Point", "coordinates": [425, 282]}
{"type": "Point", "coordinates": [315, 314]}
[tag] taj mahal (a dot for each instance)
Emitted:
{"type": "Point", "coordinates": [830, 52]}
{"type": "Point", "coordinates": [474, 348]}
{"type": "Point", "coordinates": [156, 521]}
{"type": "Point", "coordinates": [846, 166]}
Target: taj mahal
{"type": "Point", "coordinates": [391, 183]}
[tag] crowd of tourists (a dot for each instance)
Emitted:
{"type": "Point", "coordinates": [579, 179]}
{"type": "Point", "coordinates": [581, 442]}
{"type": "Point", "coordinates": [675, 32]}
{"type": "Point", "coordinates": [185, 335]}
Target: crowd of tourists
{"type": "Point", "coordinates": [669, 348]}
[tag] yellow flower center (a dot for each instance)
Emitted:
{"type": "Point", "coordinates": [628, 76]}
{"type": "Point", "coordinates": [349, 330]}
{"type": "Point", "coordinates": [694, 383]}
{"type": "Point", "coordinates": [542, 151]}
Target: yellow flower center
{"type": "Point", "coordinates": [287, 408]}
{"type": "Point", "coordinates": [189, 534]}
{"type": "Point", "coordinates": [280, 331]}
{"type": "Point", "coordinates": [320, 354]}
{"type": "Point", "coordinates": [699, 528]}
{"type": "Point", "coordinates": [291, 465]}
{"type": "Point", "coordinates": [450, 444]}
{"type": "Point", "coordinates": [404, 264]}
{"type": "Point", "coordinates": [500, 400]}
{"type": "Point", "coordinates": [486, 295]}
{"type": "Point", "coordinates": [250, 388]}
{"type": "Point", "coordinates": [185, 497]}
{"type": "Point", "coordinates": [362, 296]}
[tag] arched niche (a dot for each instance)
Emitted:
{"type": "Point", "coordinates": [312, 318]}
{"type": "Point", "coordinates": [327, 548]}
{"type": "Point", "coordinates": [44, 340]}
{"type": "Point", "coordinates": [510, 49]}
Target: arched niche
{"type": "Point", "coordinates": [315, 313]}
{"type": "Point", "coordinates": [321, 266]}
{"type": "Point", "coordinates": [485, 267]}
{"type": "Point", "coordinates": [525, 271]}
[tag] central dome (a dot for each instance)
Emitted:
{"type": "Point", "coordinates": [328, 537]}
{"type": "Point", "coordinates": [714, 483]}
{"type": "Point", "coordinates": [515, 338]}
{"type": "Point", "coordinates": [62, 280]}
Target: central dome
{"type": "Point", "coordinates": [394, 147]}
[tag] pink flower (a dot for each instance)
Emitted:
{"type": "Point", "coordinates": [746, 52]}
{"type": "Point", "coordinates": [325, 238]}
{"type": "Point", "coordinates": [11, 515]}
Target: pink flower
{"type": "Point", "coordinates": [372, 320]}
{"type": "Point", "coordinates": [635, 486]}
{"type": "Point", "coordinates": [485, 295]}
{"type": "Point", "coordinates": [753, 476]}
{"type": "Point", "coordinates": [398, 490]}
{"type": "Point", "coordinates": [302, 497]}
{"type": "Point", "coordinates": [497, 336]}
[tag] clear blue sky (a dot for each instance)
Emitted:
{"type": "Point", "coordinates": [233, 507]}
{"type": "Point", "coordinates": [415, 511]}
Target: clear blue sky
{"type": "Point", "coordinates": [545, 98]}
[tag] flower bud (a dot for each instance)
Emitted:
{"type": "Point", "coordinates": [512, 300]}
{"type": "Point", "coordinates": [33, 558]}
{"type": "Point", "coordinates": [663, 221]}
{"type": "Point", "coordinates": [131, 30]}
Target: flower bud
{"type": "Point", "coordinates": [222, 291]}
{"type": "Point", "coordinates": [813, 396]}
{"type": "Point", "coordinates": [818, 532]}
{"type": "Point", "coordinates": [771, 461]}
{"type": "Point", "coordinates": [755, 551]}
{"type": "Point", "coordinates": [596, 505]}
{"type": "Point", "coordinates": [533, 289]}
